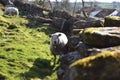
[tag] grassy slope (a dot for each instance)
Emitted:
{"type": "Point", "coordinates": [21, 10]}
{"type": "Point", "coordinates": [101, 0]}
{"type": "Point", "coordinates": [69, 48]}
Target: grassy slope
{"type": "Point", "coordinates": [24, 52]}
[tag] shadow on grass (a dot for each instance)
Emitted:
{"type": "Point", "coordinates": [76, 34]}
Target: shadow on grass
{"type": "Point", "coordinates": [41, 68]}
{"type": "Point", "coordinates": [48, 30]}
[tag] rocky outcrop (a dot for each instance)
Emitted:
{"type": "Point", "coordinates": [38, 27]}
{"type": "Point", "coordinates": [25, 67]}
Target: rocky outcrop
{"type": "Point", "coordinates": [58, 23]}
{"type": "Point", "coordinates": [60, 14]}
{"type": "Point", "coordinates": [65, 61]}
{"type": "Point", "coordinates": [112, 21]}
{"type": "Point", "coordinates": [101, 37]}
{"type": "Point", "coordinates": [36, 21]}
{"type": "Point", "coordinates": [86, 24]}
{"type": "Point", "coordinates": [29, 9]}
{"type": "Point", "coordinates": [103, 66]}
{"type": "Point", "coordinates": [7, 3]}
{"type": "Point", "coordinates": [68, 24]}
{"type": "Point", "coordinates": [95, 48]}
{"type": "Point", "coordinates": [73, 42]}
{"type": "Point", "coordinates": [62, 20]}
{"type": "Point", "coordinates": [4, 2]}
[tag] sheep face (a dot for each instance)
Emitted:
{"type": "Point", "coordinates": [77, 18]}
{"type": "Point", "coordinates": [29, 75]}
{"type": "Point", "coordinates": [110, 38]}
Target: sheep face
{"type": "Point", "coordinates": [55, 39]}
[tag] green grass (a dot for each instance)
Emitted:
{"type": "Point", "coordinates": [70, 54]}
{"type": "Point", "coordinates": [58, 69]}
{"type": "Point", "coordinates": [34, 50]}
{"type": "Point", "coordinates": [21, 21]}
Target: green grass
{"type": "Point", "coordinates": [24, 52]}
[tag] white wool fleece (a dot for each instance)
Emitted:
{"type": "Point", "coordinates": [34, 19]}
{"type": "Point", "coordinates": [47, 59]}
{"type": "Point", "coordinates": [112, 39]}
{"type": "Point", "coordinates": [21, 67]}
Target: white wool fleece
{"type": "Point", "coordinates": [62, 39]}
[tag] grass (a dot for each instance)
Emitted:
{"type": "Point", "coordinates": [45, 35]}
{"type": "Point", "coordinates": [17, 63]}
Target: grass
{"type": "Point", "coordinates": [24, 52]}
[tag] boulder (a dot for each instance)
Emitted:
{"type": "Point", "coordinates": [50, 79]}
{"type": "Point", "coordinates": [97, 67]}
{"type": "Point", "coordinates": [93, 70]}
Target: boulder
{"type": "Point", "coordinates": [62, 20]}
{"type": "Point", "coordinates": [36, 21]}
{"type": "Point", "coordinates": [112, 21]}
{"type": "Point", "coordinates": [82, 24]}
{"type": "Point", "coordinates": [27, 9]}
{"type": "Point", "coordinates": [102, 66]}
{"type": "Point", "coordinates": [86, 24]}
{"type": "Point", "coordinates": [4, 2]}
{"type": "Point", "coordinates": [83, 49]}
{"type": "Point", "coordinates": [69, 58]}
{"type": "Point", "coordinates": [68, 24]}
{"type": "Point", "coordinates": [76, 44]}
{"type": "Point", "coordinates": [73, 41]}
{"type": "Point", "coordinates": [65, 61]}
{"type": "Point", "coordinates": [94, 19]}
{"type": "Point", "coordinates": [79, 24]}
{"type": "Point", "coordinates": [101, 37]}
{"type": "Point", "coordinates": [58, 23]}
{"type": "Point", "coordinates": [96, 23]}
{"type": "Point", "coordinates": [76, 31]}
{"type": "Point", "coordinates": [60, 14]}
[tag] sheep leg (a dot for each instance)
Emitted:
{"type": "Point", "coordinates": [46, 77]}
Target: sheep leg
{"type": "Point", "coordinates": [54, 60]}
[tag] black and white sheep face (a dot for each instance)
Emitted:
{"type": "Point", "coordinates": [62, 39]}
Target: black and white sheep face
{"type": "Point", "coordinates": [55, 40]}
{"type": "Point", "coordinates": [58, 40]}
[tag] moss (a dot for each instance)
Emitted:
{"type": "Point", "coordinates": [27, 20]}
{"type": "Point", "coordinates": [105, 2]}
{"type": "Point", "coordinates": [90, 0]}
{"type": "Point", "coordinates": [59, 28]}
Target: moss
{"type": "Point", "coordinates": [112, 21]}
{"type": "Point", "coordinates": [21, 52]}
{"type": "Point", "coordinates": [13, 26]}
{"type": "Point", "coordinates": [100, 37]}
{"type": "Point", "coordinates": [91, 30]}
{"type": "Point", "coordinates": [3, 20]}
{"type": "Point", "coordinates": [2, 77]}
{"type": "Point", "coordinates": [103, 54]}
{"type": "Point", "coordinates": [113, 17]}
{"type": "Point", "coordinates": [98, 66]}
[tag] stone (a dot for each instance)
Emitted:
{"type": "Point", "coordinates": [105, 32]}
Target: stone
{"type": "Point", "coordinates": [102, 66]}
{"type": "Point", "coordinates": [101, 37]}
{"type": "Point", "coordinates": [27, 9]}
{"type": "Point", "coordinates": [68, 24]}
{"type": "Point", "coordinates": [37, 20]}
{"type": "Point", "coordinates": [70, 57]}
{"type": "Point", "coordinates": [81, 24]}
{"type": "Point", "coordinates": [58, 23]}
{"type": "Point", "coordinates": [4, 2]}
{"type": "Point", "coordinates": [60, 14]}
{"type": "Point", "coordinates": [65, 61]}
{"type": "Point", "coordinates": [73, 41]}
{"type": "Point", "coordinates": [112, 21]}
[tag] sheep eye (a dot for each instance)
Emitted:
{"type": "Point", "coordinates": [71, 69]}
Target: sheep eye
{"type": "Point", "coordinates": [59, 35]}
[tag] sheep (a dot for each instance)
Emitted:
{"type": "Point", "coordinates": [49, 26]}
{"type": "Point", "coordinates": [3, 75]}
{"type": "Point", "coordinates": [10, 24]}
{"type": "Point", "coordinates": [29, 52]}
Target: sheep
{"type": "Point", "coordinates": [58, 44]}
{"type": "Point", "coordinates": [11, 11]}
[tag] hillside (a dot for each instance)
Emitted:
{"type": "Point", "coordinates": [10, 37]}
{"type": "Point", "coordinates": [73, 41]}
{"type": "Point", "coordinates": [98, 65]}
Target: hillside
{"type": "Point", "coordinates": [92, 51]}
{"type": "Point", "coordinates": [24, 51]}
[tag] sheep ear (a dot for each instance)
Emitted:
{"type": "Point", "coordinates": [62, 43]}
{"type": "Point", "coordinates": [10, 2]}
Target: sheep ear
{"type": "Point", "coordinates": [50, 35]}
{"type": "Point", "coordinates": [59, 35]}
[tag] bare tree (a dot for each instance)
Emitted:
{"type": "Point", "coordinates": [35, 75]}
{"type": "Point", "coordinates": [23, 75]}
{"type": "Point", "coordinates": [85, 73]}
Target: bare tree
{"type": "Point", "coordinates": [50, 4]}
{"type": "Point", "coordinates": [74, 7]}
{"type": "Point", "coordinates": [56, 4]}
{"type": "Point", "coordinates": [84, 13]}
{"type": "Point", "coordinates": [65, 5]}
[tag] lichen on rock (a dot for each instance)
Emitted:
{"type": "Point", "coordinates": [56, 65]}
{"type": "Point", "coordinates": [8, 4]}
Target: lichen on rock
{"type": "Point", "coordinates": [112, 21]}
{"type": "Point", "coordinates": [103, 66]}
{"type": "Point", "coordinates": [101, 37]}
